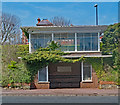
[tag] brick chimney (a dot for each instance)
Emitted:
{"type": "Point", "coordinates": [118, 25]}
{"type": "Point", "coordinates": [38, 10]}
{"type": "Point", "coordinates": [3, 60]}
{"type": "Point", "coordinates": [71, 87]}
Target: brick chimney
{"type": "Point", "coordinates": [43, 22]}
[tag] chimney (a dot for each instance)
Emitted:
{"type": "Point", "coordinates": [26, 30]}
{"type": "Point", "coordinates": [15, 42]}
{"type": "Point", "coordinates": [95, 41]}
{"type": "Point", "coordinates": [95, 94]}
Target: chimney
{"type": "Point", "coordinates": [38, 20]}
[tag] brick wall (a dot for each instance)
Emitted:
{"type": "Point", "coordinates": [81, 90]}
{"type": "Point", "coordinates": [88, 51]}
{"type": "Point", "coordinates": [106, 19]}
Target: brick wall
{"type": "Point", "coordinates": [39, 85]}
{"type": "Point", "coordinates": [93, 84]}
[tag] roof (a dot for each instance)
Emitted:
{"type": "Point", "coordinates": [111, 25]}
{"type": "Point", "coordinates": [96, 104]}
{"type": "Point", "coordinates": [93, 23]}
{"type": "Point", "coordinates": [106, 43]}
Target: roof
{"type": "Point", "coordinates": [44, 22]}
{"type": "Point", "coordinates": [66, 29]}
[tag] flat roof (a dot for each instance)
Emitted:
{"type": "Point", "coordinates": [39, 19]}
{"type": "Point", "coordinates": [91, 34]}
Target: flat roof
{"type": "Point", "coordinates": [65, 29]}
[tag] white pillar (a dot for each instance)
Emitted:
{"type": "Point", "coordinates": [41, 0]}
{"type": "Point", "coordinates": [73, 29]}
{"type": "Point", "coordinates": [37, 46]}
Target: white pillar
{"type": "Point", "coordinates": [47, 73]}
{"type": "Point", "coordinates": [98, 41]}
{"type": "Point", "coordinates": [82, 70]}
{"type": "Point", "coordinates": [29, 43]}
{"type": "Point", "coordinates": [75, 41]}
{"type": "Point", "coordinates": [52, 36]}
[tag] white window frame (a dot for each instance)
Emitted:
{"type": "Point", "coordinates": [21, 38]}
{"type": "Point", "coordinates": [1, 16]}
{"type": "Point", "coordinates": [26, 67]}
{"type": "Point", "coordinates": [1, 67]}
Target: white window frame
{"type": "Point", "coordinates": [75, 41]}
{"type": "Point", "coordinates": [30, 43]}
{"type": "Point", "coordinates": [98, 41]}
{"type": "Point", "coordinates": [46, 76]}
{"type": "Point", "coordinates": [82, 70]}
{"type": "Point", "coordinates": [52, 36]}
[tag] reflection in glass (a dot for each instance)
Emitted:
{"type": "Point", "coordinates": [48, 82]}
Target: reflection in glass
{"type": "Point", "coordinates": [87, 42]}
{"type": "Point", "coordinates": [66, 41]}
{"type": "Point", "coordinates": [40, 40]}
{"type": "Point", "coordinates": [43, 74]}
{"type": "Point", "coordinates": [87, 71]}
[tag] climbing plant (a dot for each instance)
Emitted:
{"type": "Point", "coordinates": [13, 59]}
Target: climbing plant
{"type": "Point", "coordinates": [43, 57]}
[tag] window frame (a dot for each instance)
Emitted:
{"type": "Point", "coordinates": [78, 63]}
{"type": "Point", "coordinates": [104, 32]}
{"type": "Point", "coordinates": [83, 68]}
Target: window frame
{"type": "Point", "coordinates": [82, 70]}
{"type": "Point", "coordinates": [46, 75]}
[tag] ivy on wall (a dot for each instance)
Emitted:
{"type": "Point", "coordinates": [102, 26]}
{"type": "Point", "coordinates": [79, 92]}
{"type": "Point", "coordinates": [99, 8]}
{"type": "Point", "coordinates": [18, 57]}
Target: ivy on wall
{"type": "Point", "coordinates": [43, 57]}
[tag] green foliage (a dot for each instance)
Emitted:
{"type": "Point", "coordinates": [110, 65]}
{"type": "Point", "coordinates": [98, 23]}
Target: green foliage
{"type": "Point", "coordinates": [111, 45]}
{"type": "Point", "coordinates": [53, 45]}
{"type": "Point", "coordinates": [13, 70]}
{"type": "Point", "coordinates": [15, 73]}
{"type": "Point", "coordinates": [110, 39]}
{"type": "Point", "coordinates": [103, 69]}
{"type": "Point", "coordinates": [112, 75]}
{"type": "Point", "coordinates": [12, 52]}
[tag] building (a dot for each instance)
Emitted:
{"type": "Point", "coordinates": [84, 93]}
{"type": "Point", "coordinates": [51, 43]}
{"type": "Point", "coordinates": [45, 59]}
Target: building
{"type": "Point", "coordinates": [76, 40]}
{"type": "Point", "coordinates": [24, 39]}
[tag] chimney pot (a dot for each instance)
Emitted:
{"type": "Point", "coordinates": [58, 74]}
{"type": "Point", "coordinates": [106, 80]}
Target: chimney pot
{"type": "Point", "coordinates": [38, 20]}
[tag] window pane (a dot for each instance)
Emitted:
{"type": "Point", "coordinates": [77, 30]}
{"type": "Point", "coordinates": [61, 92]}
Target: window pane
{"type": "Point", "coordinates": [84, 42]}
{"type": "Point", "coordinates": [40, 40]}
{"type": "Point", "coordinates": [66, 40]}
{"type": "Point", "coordinates": [47, 39]}
{"type": "Point", "coordinates": [94, 42]}
{"type": "Point", "coordinates": [80, 42]}
{"type": "Point", "coordinates": [86, 71]}
{"type": "Point", "coordinates": [87, 42]}
{"type": "Point", "coordinates": [43, 74]}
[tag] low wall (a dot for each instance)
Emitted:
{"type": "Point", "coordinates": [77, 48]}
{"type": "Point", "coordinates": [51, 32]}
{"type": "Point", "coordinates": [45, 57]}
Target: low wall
{"type": "Point", "coordinates": [107, 85]}
{"type": "Point", "coordinates": [42, 85]}
{"type": "Point", "coordinates": [39, 85]}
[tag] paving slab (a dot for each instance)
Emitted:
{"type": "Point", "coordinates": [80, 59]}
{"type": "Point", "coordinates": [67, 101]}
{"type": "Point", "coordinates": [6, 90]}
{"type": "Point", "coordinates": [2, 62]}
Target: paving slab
{"type": "Point", "coordinates": [62, 92]}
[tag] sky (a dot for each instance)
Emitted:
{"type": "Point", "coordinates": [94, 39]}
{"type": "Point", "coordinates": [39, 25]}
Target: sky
{"type": "Point", "coordinates": [60, 0]}
{"type": "Point", "coordinates": [79, 13]}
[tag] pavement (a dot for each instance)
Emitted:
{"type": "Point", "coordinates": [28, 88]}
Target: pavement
{"type": "Point", "coordinates": [61, 92]}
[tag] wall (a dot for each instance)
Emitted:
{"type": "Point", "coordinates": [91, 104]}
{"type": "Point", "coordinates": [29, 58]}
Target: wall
{"type": "Point", "coordinates": [64, 79]}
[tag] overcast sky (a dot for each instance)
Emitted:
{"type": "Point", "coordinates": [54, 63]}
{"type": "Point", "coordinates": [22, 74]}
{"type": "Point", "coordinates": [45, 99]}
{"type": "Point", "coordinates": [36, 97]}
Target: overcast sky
{"type": "Point", "coordinates": [79, 13]}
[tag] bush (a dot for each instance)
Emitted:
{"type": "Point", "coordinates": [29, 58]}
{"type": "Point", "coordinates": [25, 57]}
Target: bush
{"type": "Point", "coordinates": [15, 73]}
{"type": "Point", "coordinates": [13, 69]}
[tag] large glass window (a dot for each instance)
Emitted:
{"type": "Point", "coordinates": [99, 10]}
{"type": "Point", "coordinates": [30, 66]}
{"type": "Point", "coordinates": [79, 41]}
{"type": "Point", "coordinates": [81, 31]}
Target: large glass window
{"type": "Point", "coordinates": [66, 40]}
{"type": "Point", "coordinates": [87, 42]}
{"type": "Point", "coordinates": [43, 75]}
{"type": "Point", "coordinates": [87, 72]}
{"type": "Point", "coordinates": [40, 40]}
{"type": "Point", "coordinates": [84, 41]}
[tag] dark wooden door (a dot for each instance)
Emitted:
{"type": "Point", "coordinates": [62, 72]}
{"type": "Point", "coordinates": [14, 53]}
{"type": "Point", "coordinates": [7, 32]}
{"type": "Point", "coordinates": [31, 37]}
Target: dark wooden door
{"type": "Point", "coordinates": [64, 75]}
